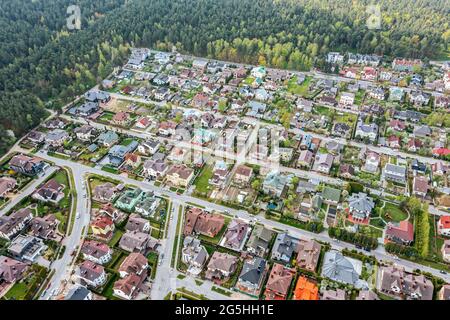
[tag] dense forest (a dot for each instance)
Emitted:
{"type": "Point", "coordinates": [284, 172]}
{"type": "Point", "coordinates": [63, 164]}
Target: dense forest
{"type": "Point", "coordinates": [44, 64]}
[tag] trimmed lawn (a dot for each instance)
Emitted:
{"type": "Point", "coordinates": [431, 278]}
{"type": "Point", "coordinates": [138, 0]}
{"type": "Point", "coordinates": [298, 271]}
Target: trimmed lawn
{"type": "Point", "coordinates": [299, 89]}
{"type": "Point", "coordinates": [115, 239]}
{"type": "Point", "coordinates": [202, 181]}
{"type": "Point", "coordinates": [391, 212]}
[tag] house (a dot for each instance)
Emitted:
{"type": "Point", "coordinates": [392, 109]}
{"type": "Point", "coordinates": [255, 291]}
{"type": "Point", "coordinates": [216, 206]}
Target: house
{"type": "Point", "coordinates": [252, 276]}
{"type": "Point", "coordinates": [200, 100]}
{"type": "Point", "coordinates": [439, 168]}
{"type": "Point", "coordinates": [127, 288]}
{"type": "Point", "coordinates": [128, 200]}
{"type": "Point", "coordinates": [221, 266]}
{"type": "Point", "coordinates": [6, 185]}
{"type": "Point", "coordinates": [105, 192]}
{"type": "Point", "coordinates": [135, 241]}
{"type": "Point", "coordinates": [85, 132]}
{"type": "Point", "coordinates": [143, 123]}
{"type": "Point", "coordinates": [308, 254]}
{"type": "Point", "coordinates": [260, 238]}
{"type": "Point", "coordinates": [258, 72]}
{"type": "Point", "coordinates": [51, 191]}
{"type": "Point", "coordinates": [275, 184]}
{"type": "Point", "coordinates": [36, 137]}
{"type": "Point", "coordinates": [444, 293]}
{"type": "Point", "coordinates": [149, 147]}
{"type": "Point", "coordinates": [347, 99]}
{"type": "Point", "coordinates": [194, 255]}
{"type": "Point", "coordinates": [442, 101]}
{"type": "Point", "coordinates": [55, 123]}
{"type": "Point", "coordinates": [92, 274]}
{"type": "Point", "coordinates": [420, 186]}
{"type": "Point", "coordinates": [360, 207]}
{"type": "Point", "coordinates": [369, 74]}
{"type": "Point", "coordinates": [305, 289]}
{"type": "Point", "coordinates": [372, 162]}
{"type": "Point", "coordinates": [323, 163]}
{"type": "Point", "coordinates": [167, 128]}
{"type": "Point", "coordinates": [134, 263]}
{"type": "Point", "coordinates": [395, 282]}
{"type": "Point", "coordinates": [284, 247]}
{"type": "Point", "coordinates": [419, 98]}
{"type": "Point", "coordinates": [162, 94]}
{"type": "Point", "coordinates": [13, 224]}
{"type": "Point", "coordinates": [136, 223]}
{"type": "Point", "coordinates": [394, 142]}
{"type": "Point", "coordinates": [418, 166]}
{"type": "Point", "coordinates": [403, 233]}
{"type": "Point", "coordinates": [243, 174]}
{"type": "Point", "coordinates": [408, 115]}
{"type": "Point", "coordinates": [97, 96]}
{"type": "Point", "coordinates": [347, 171]}
{"type": "Point", "coordinates": [147, 205]}
{"type": "Point", "coordinates": [441, 152]}
{"type": "Point", "coordinates": [108, 139]}
{"type": "Point", "coordinates": [377, 93]}
{"type": "Point", "coordinates": [341, 269]}
{"type": "Point", "coordinates": [161, 80]}
{"type": "Point", "coordinates": [236, 235]}
{"type": "Point", "coordinates": [337, 294]}
{"type": "Point", "coordinates": [257, 109]}
{"type": "Point", "coordinates": [132, 160]}
{"type": "Point", "coordinates": [341, 129]}
{"type": "Point", "coordinates": [178, 154]}
{"type": "Point", "coordinates": [85, 110]}
{"type": "Point", "coordinates": [279, 282]}
{"type": "Point", "coordinates": [155, 169]}
{"type": "Point", "coordinates": [444, 226]}
{"type": "Point", "coordinates": [79, 293]}
{"type": "Point", "coordinates": [199, 221]}
{"type": "Point", "coordinates": [422, 131]}
{"type": "Point", "coordinates": [367, 295]}
{"type": "Point", "coordinates": [446, 251]}
{"type": "Point", "coordinates": [305, 105]}
{"type": "Point", "coordinates": [335, 58]}
{"type": "Point", "coordinates": [121, 119]}
{"type": "Point", "coordinates": [11, 270]}
{"type": "Point", "coordinates": [400, 64]}
{"type": "Point", "coordinates": [396, 94]}
{"type": "Point", "coordinates": [44, 227]}
{"type": "Point", "coordinates": [397, 125]}
{"type": "Point", "coordinates": [331, 195]}
{"type": "Point", "coordinates": [117, 154]}
{"type": "Point", "coordinates": [103, 227]}
{"type": "Point", "coordinates": [26, 165]}
{"type": "Point", "coordinates": [305, 158]}
{"type": "Point", "coordinates": [394, 173]}
{"type": "Point", "coordinates": [179, 175]}
{"type": "Point", "coordinates": [366, 131]}
{"type": "Point", "coordinates": [26, 248]}
{"type": "Point", "coordinates": [97, 252]}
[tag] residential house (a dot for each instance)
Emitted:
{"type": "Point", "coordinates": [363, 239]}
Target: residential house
{"type": "Point", "coordinates": [85, 132]}
{"type": "Point", "coordinates": [331, 195]}
{"type": "Point", "coordinates": [400, 64]}
{"type": "Point", "coordinates": [103, 227]}
{"type": "Point", "coordinates": [128, 200]}
{"type": "Point", "coordinates": [105, 192]}
{"type": "Point", "coordinates": [308, 254]}
{"type": "Point", "coordinates": [279, 282]}
{"type": "Point", "coordinates": [180, 175]}
{"type": "Point", "coordinates": [11, 270]}
{"type": "Point", "coordinates": [155, 169]}
{"type": "Point", "coordinates": [97, 252]}
{"type": "Point", "coordinates": [236, 235]}
{"type": "Point", "coordinates": [199, 221]}
{"type": "Point", "coordinates": [337, 294]}
{"type": "Point", "coordinates": [284, 247]}
{"type": "Point", "coordinates": [243, 174]}
{"type": "Point", "coordinates": [127, 288]}
{"type": "Point", "coordinates": [44, 227]}
{"type": "Point", "coordinates": [194, 255]}
{"type": "Point", "coordinates": [51, 191]}
{"type": "Point", "coordinates": [108, 138]}
{"type": "Point", "coordinates": [341, 269]}
{"type": "Point", "coordinates": [372, 162]}
{"type": "Point", "coordinates": [445, 250]}
{"type": "Point", "coordinates": [221, 266]}
{"type": "Point", "coordinates": [149, 147]}
{"type": "Point", "coordinates": [394, 173]}
{"type": "Point", "coordinates": [395, 282]}
{"type": "Point", "coordinates": [443, 225]}
{"type": "Point", "coordinates": [26, 248]}
{"type": "Point", "coordinates": [323, 163]}
{"type": "Point", "coordinates": [360, 207]}
{"type": "Point", "coordinates": [260, 238]}
{"type": "Point", "coordinates": [26, 165]}
{"type": "Point", "coordinates": [13, 224]}
{"type": "Point", "coordinates": [402, 233]}
{"type": "Point", "coordinates": [420, 186]}
{"type": "Point", "coordinates": [367, 295]}
{"type": "Point", "coordinates": [6, 185]}
{"type": "Point", "coordinates": [366, 131]}
{"type": "Point", "coordinates": [167, 128]}
{"type": "Point", "coordinates": [134, 263]}
{"type": "Point", "coordinates": [92, 274]}
{"type": "Point", "coordinates": [252, 276]}
{"type": "Point", "coordinates": [306, 289]}
{"type": "Point", "coordinates": [135, 241]}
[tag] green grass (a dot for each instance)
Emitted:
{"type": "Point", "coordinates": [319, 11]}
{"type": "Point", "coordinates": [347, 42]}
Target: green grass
{"type": "Point", "coordinates": [17, 292]}
{"type": "Point", "coordinates": [221, 291]}
{"type": "Point", "coordinates": [391, 212]}
{"type": "Point", "coordinates": [324, 111]}
{"type": "Point", "coordinates": [202, 181]}
{"type": "Point", "coordinates": [299, 89]}
{"type": "Point", "coordinates": [110, 169]}
{"type": "Point", "coordinates": [116, 238]}
{"type": "Point", "coordinates": [181, 276]}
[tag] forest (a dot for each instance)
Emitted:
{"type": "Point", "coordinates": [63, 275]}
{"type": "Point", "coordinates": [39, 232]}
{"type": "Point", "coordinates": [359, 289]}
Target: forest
{"type": "Point", "coordinates": [42, 64]}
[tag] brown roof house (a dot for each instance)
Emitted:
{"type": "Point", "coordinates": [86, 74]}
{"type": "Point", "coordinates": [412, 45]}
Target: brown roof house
{"type": "Point", "coordinates": [137, 223]}
{"type": "Point", "coordinates": [403, 233]}
{"type": "Point", "coordinates": [128, 287]}
{"type": "Point", "coordinates": [179, 175]}
{"type": "Point", "coordinates": [11, 270]}
{"type": "Point", "coordinates": [221, 266]}
{"type": "Point", "coordinates": [135, 263]}
{"type": "Point", "coordinates": [44, 227]}
{"type": "Point", "coordinates": [397, 283]}
{"type": "Point", "coordinates": [11, 225]}
{"type": "Point", "coordinates": [201, 222]}
{"type": "Point", "coordinates": [97, 252]}
{"type": "Point", "coordinates": [104, 192]}
{"type": "Point", "coordinates": [308, 254]}
{"type": "Point", "coordinates": [6, 185]}
{"type": "Point", "coordinates": [279, 282]}
{"type": "Point", "coordinates": [92, 274]}
{"type": "Point", "coordinates": [243, 174]}
{"type": "Point", "coordinates": [51, 191]}
{"type": "Point", "coordinates": [337, 294]}
{"type": "Point", "coordinates": [135, 241]}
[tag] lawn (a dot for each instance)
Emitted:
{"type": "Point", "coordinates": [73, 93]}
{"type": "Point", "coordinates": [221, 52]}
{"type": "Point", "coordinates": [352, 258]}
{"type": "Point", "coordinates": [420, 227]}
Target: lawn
{"type": "Point", "coordinates": [202, 181]}
{"type": "Point", "coordinates": [348, 118]}
{"type": "Point", "coordinates": [299, 89]}
{"type": "Point", "coordinates": [392, 212]}
{"type": "Point", "coordinates": [115, 239]}
{"type": "Point", "coordinates": [324, 111]}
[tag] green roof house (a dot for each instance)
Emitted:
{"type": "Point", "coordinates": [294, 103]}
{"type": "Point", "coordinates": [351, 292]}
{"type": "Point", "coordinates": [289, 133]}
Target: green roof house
{"type": "Point", "coordinates": [128, 200]}
{"type": "Point", "coordinates": [331, 195]}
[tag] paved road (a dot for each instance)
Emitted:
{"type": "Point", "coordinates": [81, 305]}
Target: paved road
{"type": "Point", "coordinates": [63, 267]}
{"type": "Point", "coordinates": [28, 191]}
{"type": "Point", "coordinates": [80, 170]}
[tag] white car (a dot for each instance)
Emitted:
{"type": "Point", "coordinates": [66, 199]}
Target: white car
{"type": "Point", "coordinates": [77, 215]}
